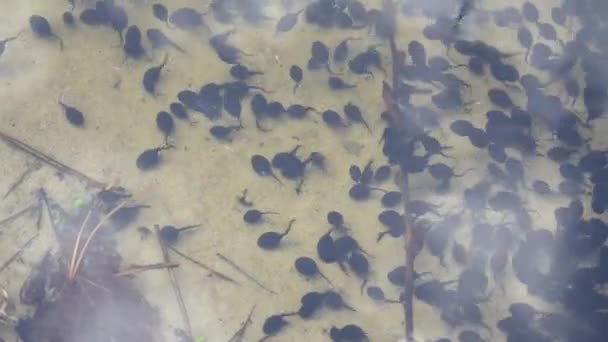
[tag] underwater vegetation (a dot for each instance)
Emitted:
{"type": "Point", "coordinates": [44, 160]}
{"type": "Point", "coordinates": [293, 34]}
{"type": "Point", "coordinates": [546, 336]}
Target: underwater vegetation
{"type": "Point", "coordinates": [465, 230]}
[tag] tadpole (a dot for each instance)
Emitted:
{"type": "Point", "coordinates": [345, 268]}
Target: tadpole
{"type": "Point", "coordinates": [223, 132]}
{"type": "Point", "coordinates": [170, 234]}
{"type": "Point", "coordinates": [271, 240]}
{"type": "Point", "coordinates": [253, 216]}
{"type": "Point", "coordinates": [334, 301]}
{"type": "Point", "coordinates": [158, 40]}
{"type": "Point", "coordinates": [287, 22]}
{"type": "Point", "coordinates": [308, 268]}
{"type": "Point", "coordinates": [73, 115]}
{"type": "Point", "coordinates": [161, 13]}
{"type": "Point", "coordinates": [165, 124]}
{"type": "Point", "coordinates": [337, 83]}
{"type": "Point", "coordinates": [152, 75]}
{"type": "Point", "coordinates": [262, 167]}
{"type": "Point", "coordinates": [241, 72]}
{"type": "Point", "coordinates": [353, 113]}
{"type": "Point", "coordinates": [42, 28]}
{"type": "Point", "coordinates": [274, 324]}
{"type": "Point", "coordinates": [150, 158]}
{"type": "Point", "coordinates": [132, 46]}
{"type": "Point", "coordinates": [296, 74]}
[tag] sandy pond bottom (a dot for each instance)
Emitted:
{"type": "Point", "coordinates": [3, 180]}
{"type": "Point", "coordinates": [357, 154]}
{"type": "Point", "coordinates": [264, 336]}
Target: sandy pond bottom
{"type": "Point", "coordinates": [199, 181]}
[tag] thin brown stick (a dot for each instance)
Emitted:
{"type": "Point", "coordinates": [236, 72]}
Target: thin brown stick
{"type": "Point", "coordinates": [49, 160]}
{"type": "Point", "coordinates": [203, 266]}
{"type": "Point", "coordinates": [243, 272]}
{"type": "Point", "coordinates": [19, 180]}
{"type": "Point", "coordinates": [90, 237]}
{"type": "Point", "coordinates": [238, 335]}
{"type": "Point", "coordinates": [18, 252]}
{"type": "Point", "coordinates": [398, 122]}
{"type": "Point", "coordinates": [133, 269]}
{"type": "Point", "coordinates": [174, 283]}
{"type": "Point", "coordinates": [18, 214]}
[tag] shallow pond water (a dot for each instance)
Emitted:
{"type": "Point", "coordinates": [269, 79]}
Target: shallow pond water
{"type": "Point", "coordinates": [199, 181]}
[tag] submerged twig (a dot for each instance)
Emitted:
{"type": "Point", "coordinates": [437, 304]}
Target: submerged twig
{"type": "Point", "coordinates": [398, 122]}
{"type": "Point", "coordinates": [18, 252]}
{"type": "Point", "coordinates": [18, 214]}
{"type": "Point", "coordinates": [49, 160]}
{"type": "Point", "coordinates": [176, 289]}
{"type": "Point", "coordinates": [45, 200]}
{"type": "Point", "coordinates": [19, 180]}
{"type": "Point", "coordinates": [238, 335]}
{"type": "Point", "coordinates": [243, 272]}
{"type": "Point", "coordinates": [131, 270]}
{"type": "Point", "coordinates": [203, 266]}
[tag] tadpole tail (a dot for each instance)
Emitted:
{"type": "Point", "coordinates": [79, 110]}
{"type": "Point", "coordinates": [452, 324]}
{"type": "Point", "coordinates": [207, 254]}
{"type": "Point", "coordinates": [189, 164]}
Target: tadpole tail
{"type": "Point", "coordinates": [328, 67]}
{"type": "Point", "coordinates": [56, 37]}
{"type": "Point", "coordinates": [6, 40]}
{"type": "Point", "coordinates": [363, 283]}
{"type": "Point", "coordinates": [264, 130]}
{"type": "Point", "coordinates": [463, 173]}
{"type": "Point", "coordinates": [276, 178]}
{"type": "Point", "coordinates": [181, 229]}
{"type": "Point", "coordinates": [177, 47]}
{"type": "Point", "coordinates": [299, 186]}
{"type": "Point", "coordinates": [326, 279]}
{"type": "Point", "coordinates": [164, 62]}
{"type": "Point", "coordinates": [288, 227]}
{"type": "Point", "coordinates": [367, 126]}
{"type": "Point", "coordinates": [380, 236]}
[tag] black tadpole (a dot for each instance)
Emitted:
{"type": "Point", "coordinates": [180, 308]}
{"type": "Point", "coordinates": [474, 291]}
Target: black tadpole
{"type": "Point", "coordinates": [359, 264]}
{"type": "Point", "coordinates": [118, 20]}
{"type": "Point", "coordinates": [334, 301]}
{"type": "Point", "coordinates": [287, 22]}
{"type": "Point", "coordinates": [271, 240]}
{"type": "Point", "coordinates": [161, 13]}
{"type": "Point", "coordinates": [224, 132]}
{"type": "Point", "coordinates": [262, 167]}
{"type": "Point", "coordinates": [332, 119]}
{"type": "Point", "coordinates": [158, 40]}
{"type": "Point", "coordinates": [274, 324]}
{"type": "Point", "coordinates": [241, 72]}
{"type": "Point", "coordinates": [341, 51]}
{"type": "Point", "coordinates": [170, 234]}
{"type": "Point", "coordinates": [132, 46]}
{"type": "Point", "coordinates": [308, 268]}
{"type": "Point", "coordinates": [43, 29]}
{"type": "Point", "coordinates": [150, 158]}
{"type": "Point", "coordinates": [152, 75]}
{"type": "Point", "coordinates": [353, 113]}
{"type": "Point", "coordinates": [296, 74]}
{"type": "Point", "coordinates": [179, 110]}
{"type": "Point", "coordinates": [253, 216]}
{"type": "Point", "coordinates": [336, 83]}
{"type": "Point", "coordinates": [165, 123]}
{"type": "Point", "coordinates": [73, 115]}
{"type": "Point", "coordinates": [243, 199]}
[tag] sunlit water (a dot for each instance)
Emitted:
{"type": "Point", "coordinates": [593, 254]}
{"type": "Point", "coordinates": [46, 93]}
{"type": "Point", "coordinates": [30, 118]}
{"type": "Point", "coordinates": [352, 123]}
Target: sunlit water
{"type": "Point", "coordinates": [199, 181]}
